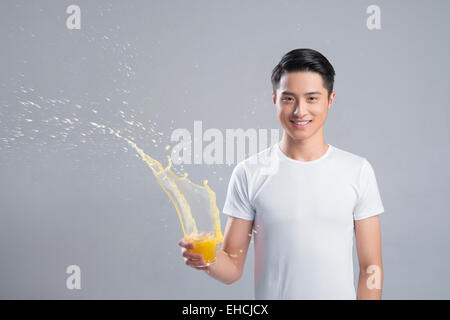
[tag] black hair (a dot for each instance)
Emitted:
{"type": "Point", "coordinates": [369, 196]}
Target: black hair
{"type": "Point", "coordinates": [304, 60]}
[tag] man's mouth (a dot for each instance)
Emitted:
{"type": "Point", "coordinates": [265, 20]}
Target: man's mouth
{"type": "Point", "coordinates": [300, 124]}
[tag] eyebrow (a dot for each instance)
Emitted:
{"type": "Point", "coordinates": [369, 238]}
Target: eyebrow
{"type": "Point", "coordinates": [307, 93]}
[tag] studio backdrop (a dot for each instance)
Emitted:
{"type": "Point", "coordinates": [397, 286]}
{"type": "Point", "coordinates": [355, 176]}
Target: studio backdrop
{"type": "Point", "coordinates": [85, 85]}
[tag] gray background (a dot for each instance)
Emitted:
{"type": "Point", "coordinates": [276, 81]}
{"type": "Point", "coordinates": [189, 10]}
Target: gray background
{"type": "Point", "coordinates": [168, 63]}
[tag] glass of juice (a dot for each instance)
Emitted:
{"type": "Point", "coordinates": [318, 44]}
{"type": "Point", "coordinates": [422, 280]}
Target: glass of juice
{"type": "Point", "coordinates": [204, 243]}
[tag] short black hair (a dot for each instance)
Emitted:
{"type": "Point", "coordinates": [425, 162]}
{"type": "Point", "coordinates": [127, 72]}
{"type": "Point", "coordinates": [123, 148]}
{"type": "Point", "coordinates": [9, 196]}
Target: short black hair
{"type": "Point", "coordinates": [304, 59]}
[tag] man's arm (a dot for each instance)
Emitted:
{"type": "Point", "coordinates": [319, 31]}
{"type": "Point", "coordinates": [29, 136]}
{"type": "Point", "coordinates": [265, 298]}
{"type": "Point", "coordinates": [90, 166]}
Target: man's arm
{"type": "Point", "coordinates": [368, 245]}
{"type": "Point", "coordinates": [230, 259]}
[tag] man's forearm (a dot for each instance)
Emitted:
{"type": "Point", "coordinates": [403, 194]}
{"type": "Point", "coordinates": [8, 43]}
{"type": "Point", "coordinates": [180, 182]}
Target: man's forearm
{"type": "Point", "coordinates": [370, 285]}
{"type": "Point", "coordinates": [224, 270]}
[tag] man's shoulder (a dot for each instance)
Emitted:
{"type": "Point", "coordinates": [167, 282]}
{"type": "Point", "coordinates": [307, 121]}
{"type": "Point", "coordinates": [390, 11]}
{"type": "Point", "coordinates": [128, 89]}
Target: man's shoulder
{"type": "Point", "coordinates": [347, 156]}
{"type": "Point", "coordinates": [254, 163]}
{"type": "Point", "coordinates": [347, 161]}
{"type": "Point", "coordinates": [259, 159]}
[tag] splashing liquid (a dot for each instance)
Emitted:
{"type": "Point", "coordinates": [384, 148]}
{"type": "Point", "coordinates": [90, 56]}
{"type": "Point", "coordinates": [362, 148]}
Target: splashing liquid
{"type": "Point", "coordinates": [195, 204]}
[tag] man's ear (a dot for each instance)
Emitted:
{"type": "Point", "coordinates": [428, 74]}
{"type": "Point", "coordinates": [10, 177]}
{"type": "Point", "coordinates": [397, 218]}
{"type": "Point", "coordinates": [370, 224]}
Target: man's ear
{"type": "Point", "coordinates": [330, 102]}
{"type": "Point", "coordinates": [274, 97]}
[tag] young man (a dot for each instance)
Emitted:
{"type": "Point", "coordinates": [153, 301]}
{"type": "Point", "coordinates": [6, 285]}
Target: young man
{"type": "Point", "coordinates": [302, 199]}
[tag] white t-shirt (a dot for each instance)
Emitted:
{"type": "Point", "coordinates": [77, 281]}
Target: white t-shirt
{"type": "Point", "coordinates": [303, 214]}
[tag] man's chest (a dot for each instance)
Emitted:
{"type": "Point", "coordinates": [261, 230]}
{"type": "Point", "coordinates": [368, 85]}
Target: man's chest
{"type": "Point", "coordinates": [312, 198]}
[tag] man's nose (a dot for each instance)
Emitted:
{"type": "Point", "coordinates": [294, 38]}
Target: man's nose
{"type": "Point", "coordinates": [299, 110]}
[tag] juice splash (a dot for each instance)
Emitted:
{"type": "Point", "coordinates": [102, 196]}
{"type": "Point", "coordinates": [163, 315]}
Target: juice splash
{"type": "Point", "coordinates": [195, 204]}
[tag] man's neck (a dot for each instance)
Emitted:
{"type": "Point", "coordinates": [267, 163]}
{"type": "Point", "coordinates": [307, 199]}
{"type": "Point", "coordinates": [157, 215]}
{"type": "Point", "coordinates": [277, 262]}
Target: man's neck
{"type": "Point", "coordinates": [303, 150]}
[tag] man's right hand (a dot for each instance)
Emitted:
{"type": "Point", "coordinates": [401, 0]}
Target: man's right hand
{"type": "Point", "coordinates": [194, 260]}
{"type": "Point", "coordinates": [230, 259]}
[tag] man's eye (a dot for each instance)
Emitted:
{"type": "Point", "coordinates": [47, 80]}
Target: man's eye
{"type": "Point", "coordinates": [313, 98]}
{"type": "Point", "coordinates": [290, 99]}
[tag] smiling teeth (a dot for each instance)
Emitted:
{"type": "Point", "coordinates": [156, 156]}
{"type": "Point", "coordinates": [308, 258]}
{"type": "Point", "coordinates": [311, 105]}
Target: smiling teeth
{"type": "Point", "coordinates": [301, 123]}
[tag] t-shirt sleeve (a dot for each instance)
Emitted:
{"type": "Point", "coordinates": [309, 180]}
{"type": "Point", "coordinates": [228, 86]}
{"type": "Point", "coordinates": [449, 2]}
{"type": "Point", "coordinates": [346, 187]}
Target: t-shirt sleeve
{"type": "Point", "coordinates": [237, 203]}
{"type": "Point", "coordinates": [369, 200]}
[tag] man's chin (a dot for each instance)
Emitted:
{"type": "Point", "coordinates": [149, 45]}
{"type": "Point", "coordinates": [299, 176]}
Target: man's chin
{"type": "Point", "coordinates": [296, 135]}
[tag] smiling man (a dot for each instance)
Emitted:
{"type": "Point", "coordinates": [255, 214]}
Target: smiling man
{"type": "Point", "coordinates": [303, 200]}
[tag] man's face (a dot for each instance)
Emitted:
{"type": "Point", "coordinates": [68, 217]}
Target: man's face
{"type": "Point", "coordinates": [301, 96]}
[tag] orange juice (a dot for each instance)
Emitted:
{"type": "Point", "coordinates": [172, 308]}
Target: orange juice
{"type": "Point", "coordinates": [205, 245]}
{"type": "Point", "coordinates": [194, 203]}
